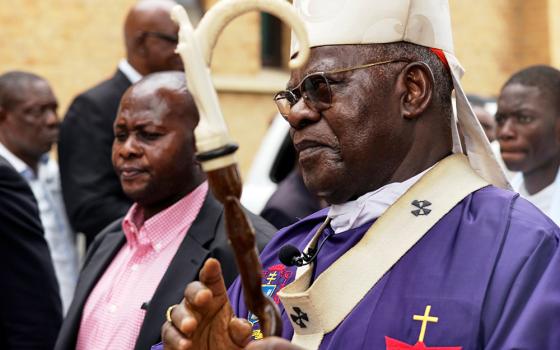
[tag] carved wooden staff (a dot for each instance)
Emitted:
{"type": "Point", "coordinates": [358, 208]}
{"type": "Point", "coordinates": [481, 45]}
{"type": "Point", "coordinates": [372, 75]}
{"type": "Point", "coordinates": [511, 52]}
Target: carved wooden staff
{"type": "Point", "coordinates": [214, 145]}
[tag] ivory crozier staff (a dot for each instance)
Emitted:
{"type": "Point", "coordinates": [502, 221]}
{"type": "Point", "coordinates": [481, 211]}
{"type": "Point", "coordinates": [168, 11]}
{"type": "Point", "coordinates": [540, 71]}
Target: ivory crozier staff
{"type": "Point", "coordinates": [214, 145]}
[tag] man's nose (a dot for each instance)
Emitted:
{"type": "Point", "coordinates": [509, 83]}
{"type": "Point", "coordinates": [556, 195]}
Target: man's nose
{"type": "Point", "coordinates": [302, 115]}
{"type": "Point", "coordinates": [129, 148]}
{"type": "Point", "coordinates": [52, 118]}
{"type": "Point", "coordinates": [507, 130]}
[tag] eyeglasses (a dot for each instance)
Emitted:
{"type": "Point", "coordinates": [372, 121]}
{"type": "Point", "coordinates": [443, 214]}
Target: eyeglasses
{"type": "Point", "coordinates": [315, 88]}
{"type": "Point", "coordinates": [169, 38]}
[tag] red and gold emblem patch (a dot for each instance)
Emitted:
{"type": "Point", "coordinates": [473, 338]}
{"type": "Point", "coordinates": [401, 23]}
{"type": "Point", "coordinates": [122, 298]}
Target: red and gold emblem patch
{"type": "Point", "coordinates": [393, 344]}
{"type": "Point", "coordinates": [274, 278]}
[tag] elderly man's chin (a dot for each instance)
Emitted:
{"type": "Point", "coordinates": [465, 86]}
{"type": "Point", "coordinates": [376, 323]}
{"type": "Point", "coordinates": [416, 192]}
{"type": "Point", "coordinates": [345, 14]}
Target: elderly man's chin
{"type": "Point", "coordinates": [327, 185]}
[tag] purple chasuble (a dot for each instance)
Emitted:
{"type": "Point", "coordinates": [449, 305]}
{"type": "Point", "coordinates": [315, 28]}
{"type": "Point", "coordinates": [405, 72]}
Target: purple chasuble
{"type": "Point", "coordinates": [489, 269]}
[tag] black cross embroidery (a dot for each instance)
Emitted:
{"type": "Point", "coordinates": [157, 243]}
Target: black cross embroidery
{"type": "Point", "coordinates": [299, 317]}
{"type": "Point", "coordinates": [422, 207]}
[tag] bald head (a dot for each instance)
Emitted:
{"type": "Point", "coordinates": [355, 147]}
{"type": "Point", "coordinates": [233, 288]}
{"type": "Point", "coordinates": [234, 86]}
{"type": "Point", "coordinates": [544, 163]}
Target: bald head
{"type": "Point", "coordinates": [151, 37]}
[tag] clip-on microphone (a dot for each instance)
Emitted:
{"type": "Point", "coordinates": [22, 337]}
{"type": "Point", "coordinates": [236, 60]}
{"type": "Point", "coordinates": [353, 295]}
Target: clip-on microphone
{"type": "Point", "coordinates": [289, 255]}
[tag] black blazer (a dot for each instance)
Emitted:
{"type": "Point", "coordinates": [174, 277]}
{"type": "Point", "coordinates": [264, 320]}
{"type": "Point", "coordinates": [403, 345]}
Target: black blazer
{"type": "Point", "coordinates": [206, 238]}
{"type": "Point", "coordinates": [92, 192]}
{"type": "Point", "coordinates": [290, 202]}
{"type": "Point", "coordinates": [30, 307]}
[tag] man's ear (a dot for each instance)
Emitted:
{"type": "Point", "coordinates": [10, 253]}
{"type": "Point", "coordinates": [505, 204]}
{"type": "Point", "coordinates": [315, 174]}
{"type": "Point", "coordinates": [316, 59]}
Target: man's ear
{"type": "Point", "coordinates": [417, 83]}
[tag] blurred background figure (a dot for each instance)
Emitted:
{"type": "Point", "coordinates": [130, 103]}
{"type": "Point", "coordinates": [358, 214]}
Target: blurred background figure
{"type": "Point", "coordinates": [528, 119]}
{"type": "Point", "coordinates": [275, 187]}
{"type": "Point", "coordinates": [28, 129]}
{"type": "Point", "coordinates": [484, 108]}
{"type": "Point", "coordinates": [29, 298]}
{"type": "Point", "coordinates": [291, 201]}
{"type": "Point", "coordinates": [92, 192]}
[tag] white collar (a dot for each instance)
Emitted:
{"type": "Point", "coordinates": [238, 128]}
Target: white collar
{"type": "Point", "coordinates": [129, 71]}
{"type": "Point", "coordinates": [369, 206]}
{"type": "Point", "coordinates": [14, 161]}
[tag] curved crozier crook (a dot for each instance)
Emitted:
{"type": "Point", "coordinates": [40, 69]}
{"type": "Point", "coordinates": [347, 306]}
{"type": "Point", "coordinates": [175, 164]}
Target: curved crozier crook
{"type": "Point", "coordinates": [215, 149]}
{"type": "Point", "coordinates": [223, 12]}
{"type": "Point", "coordinates": [196, 46]}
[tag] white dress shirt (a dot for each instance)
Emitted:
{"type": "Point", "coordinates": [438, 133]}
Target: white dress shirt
{"type": "Point", "coordinates": [547, 199]}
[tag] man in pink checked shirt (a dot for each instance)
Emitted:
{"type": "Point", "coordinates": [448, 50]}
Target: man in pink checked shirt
{"type": "Point", "coordinates": [139, 265]}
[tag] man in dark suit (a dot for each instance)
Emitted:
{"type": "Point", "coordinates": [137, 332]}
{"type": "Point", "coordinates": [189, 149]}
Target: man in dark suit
{"type": "Point", "coordinates": [92, 193]}
{"type": "Point", "coordinates": [31, 311]}
{"type": "Point", "coordinates": [291, 201]}
{"type": "Point", "coordinates": [139, 265]}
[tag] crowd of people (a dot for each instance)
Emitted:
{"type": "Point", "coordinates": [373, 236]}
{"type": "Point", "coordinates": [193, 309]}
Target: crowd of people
{"type": "Point", "coordinates": [420, 217]}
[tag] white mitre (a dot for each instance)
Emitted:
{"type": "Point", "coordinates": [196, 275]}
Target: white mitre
{"type": "Point", "coordinates": [421, 22]}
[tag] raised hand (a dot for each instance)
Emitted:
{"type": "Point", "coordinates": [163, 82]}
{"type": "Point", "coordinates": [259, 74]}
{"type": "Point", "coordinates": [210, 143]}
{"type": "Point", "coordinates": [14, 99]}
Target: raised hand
{"type": "Point", "coordinates": [204, 319]}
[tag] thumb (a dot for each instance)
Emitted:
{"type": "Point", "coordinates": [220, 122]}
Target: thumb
{"type": "Point", "coordinates": [240, 331]}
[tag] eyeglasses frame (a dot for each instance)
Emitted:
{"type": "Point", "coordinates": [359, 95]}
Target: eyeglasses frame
{"type": "Point", "coordinates": [323, 73]}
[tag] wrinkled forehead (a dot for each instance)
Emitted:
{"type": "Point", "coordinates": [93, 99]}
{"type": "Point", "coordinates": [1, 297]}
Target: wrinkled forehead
{"type": "Point", "coordinates": [161, 104]}
{"type": "Point", "coordinates": [142, 98]}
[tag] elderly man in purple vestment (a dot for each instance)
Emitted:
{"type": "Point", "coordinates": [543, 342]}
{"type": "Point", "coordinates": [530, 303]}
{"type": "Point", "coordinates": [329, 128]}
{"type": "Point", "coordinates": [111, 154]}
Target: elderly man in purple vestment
{"type": "Point", "coordinates": [422, 247]}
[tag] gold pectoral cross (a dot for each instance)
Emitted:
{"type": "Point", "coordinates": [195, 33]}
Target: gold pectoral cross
{"type": "Point", "coordinates": [425, 319]}
{"type": "Point", "coordinates": [272, 277]}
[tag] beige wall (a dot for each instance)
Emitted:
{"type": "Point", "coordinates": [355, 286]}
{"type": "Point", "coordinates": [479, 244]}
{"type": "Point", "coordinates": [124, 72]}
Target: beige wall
{"type": "Point", "coordinates": [73, 43]}
{"type": "Point", "coordinates": [238, 47]}
{"type": "Point", "coordinates": [77, 43]}
{"type": "Point", "coordinates": [482, 53]}
{"type": "Point", "coordinates": [554, 27]}
{"type": "Point", "coordinates": [493, 39]}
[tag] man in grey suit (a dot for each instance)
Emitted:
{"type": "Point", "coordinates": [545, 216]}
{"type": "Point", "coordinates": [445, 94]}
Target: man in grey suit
{"type": "Point", "coordinates": [139, 265]}
{"type": "Point", "coordinates": [92, 193]}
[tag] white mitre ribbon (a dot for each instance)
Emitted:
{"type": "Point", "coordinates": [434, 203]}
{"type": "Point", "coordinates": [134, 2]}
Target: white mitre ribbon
{"type": "Point", "coordinates": [421, 22]}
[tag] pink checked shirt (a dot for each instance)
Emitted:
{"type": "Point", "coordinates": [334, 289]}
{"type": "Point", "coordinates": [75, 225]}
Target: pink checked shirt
{"type": "Point", "coordinates": [112, 313]}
